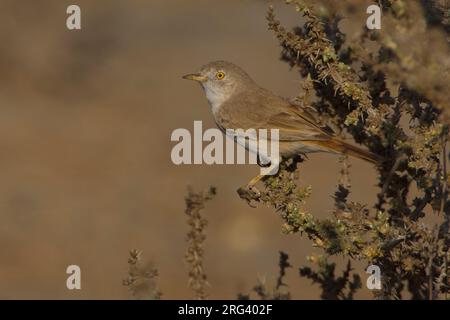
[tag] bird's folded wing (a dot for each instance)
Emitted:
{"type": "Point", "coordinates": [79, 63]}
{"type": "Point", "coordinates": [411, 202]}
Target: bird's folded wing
{"type": "Point", "coordinates": [263, 110]}
{"type": "Point", "coordinates": [295, 124]}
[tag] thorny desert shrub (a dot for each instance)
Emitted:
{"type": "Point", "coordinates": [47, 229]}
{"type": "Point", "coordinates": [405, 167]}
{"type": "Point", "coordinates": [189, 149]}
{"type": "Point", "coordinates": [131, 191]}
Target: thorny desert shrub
{"type": "Point", "coordinates": [394, 99]}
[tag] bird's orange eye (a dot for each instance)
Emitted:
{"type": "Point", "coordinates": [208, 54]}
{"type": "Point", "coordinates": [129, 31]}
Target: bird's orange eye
{"type": "Point", "coordinates": [220, 75]}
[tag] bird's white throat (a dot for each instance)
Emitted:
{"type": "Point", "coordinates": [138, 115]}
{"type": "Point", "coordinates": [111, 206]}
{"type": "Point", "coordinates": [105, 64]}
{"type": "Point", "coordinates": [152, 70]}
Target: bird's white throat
{"type": "Point", "coordinates": [215, 96]}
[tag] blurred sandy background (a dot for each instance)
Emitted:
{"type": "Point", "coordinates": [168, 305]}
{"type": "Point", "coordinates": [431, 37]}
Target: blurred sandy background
{"type": "Point", "coordinates": [85, 169]}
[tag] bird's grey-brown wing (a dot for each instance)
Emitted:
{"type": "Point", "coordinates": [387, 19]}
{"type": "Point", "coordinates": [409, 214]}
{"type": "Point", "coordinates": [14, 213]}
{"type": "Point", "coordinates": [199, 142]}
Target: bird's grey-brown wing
{"type": "Point", "coordinates": [264, 110]}
{"type": "Point", "coordinates": [296, 125]}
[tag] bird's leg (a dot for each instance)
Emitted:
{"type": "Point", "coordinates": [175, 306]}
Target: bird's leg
{"type": "Point", "coordinates": [254, 181]}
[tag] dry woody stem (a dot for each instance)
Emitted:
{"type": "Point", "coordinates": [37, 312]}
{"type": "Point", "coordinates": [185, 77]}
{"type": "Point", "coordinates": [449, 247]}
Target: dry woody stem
{"type": "Point", "coordinates": [195, 202]}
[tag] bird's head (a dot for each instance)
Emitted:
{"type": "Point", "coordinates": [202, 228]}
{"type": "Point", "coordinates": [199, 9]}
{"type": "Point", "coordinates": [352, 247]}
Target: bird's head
{"type": "Point", "coordinates": [221, 80]}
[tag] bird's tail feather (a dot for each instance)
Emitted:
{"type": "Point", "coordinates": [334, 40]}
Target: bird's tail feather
{"type": "Point", "coordinates": [342, 147]}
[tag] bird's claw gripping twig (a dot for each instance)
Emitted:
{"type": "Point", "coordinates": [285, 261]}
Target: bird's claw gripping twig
{"type": "Point", "coordinates": [249, 194]}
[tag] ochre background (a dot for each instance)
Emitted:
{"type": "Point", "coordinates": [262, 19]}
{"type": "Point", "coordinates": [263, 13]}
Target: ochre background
{"type": "Point", "coordinates": [85, 169]}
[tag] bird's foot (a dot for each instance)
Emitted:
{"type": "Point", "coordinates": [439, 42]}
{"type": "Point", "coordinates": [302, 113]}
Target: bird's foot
{"type": "Point", "coordinates": [249, 194]}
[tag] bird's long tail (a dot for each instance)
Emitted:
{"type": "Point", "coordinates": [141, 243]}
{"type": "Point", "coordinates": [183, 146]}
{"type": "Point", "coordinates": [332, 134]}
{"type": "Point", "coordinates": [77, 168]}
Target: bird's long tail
{"type": "Point", "coordinates": [339, 146]}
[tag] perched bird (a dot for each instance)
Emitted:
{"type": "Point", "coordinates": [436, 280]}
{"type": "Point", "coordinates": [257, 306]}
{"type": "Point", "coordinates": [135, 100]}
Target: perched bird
{"type": "Point", "coordinates": [237, 102]}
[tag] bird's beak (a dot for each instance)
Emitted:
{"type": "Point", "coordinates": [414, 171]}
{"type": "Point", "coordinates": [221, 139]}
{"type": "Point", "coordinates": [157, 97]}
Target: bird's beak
{"type": "Point", "coordinates": [195, 77]}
